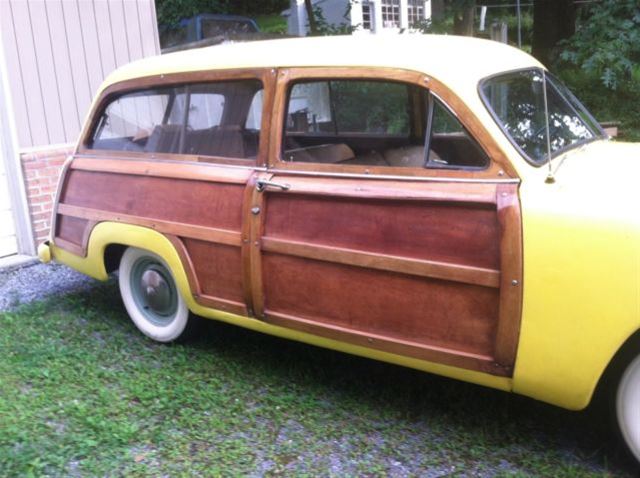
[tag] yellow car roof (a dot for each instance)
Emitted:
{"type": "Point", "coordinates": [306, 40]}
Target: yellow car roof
{"type": "Point", "coordinates": [459, 62]}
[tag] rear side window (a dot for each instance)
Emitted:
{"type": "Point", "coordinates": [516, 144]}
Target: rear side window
{"type": "Point", "coordinates": [205, 119]}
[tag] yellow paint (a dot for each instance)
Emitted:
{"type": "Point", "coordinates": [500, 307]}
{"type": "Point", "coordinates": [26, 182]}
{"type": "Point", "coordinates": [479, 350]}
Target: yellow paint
{"type": "Point", "coordinates": [581, 271]}
{"type": "Point", "coordinates": [44, 253]}
{"type": "Point", "coordinates": [105, 233]}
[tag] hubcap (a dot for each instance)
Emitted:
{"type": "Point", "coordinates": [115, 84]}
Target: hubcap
{"type": "Point", "coordinates": [154, 291]}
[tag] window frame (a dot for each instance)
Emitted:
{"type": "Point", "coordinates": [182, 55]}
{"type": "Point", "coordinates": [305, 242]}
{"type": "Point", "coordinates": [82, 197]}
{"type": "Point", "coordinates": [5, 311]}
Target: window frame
{"type": "Point", "coordinates": [499, 166]}
{"type": "Point", "coordinates": [264, 75]}
{"type": "Point", "coordinates": [599, 133]}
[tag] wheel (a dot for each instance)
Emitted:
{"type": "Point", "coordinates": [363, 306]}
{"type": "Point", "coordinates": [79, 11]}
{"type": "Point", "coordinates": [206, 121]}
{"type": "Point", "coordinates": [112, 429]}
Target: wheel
{"type": "Point", "coordinates": [627, 407]}
{"type": "Point", "coordinates": [151, 296]}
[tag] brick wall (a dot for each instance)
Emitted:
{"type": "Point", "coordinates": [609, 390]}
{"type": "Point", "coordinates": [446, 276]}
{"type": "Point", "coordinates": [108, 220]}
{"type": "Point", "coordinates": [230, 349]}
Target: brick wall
{"type": "Point", "coordinates": [41, 170]}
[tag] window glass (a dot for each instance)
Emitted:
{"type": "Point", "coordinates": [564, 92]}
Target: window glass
{"type": "Point", "coordinates": [254, 118]}
{"type": "Point", "coordinates": [374, 123]}
{"type": "Point", "coordinates": [517, 101]}
{"type": "Point", "coordinates": [212, 119]}
{"type": "Point", "coordinates": [450, 145]}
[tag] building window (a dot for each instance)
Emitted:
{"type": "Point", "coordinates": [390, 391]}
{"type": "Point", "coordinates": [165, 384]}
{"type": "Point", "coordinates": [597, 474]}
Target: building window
{"type": "Point", "coordinates": [367, 16]}
{"type": "Point", "coordinates": [416, 12]}
{"type": "Point", "coordinates": [390, 13]}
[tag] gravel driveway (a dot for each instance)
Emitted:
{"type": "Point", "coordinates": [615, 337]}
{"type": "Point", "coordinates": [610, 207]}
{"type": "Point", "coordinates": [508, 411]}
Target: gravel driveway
{"type": "Point", "coordinates": [39, 281]}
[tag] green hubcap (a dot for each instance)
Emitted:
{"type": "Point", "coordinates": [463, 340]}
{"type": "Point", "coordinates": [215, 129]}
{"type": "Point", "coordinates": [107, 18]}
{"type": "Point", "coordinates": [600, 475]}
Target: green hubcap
{"type": "Point", "coordinates": [154, 291]}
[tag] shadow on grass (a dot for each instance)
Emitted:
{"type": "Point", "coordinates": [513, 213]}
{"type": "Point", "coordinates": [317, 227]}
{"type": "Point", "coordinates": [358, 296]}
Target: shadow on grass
{"type": "Point", "coordinates": [519, 428]}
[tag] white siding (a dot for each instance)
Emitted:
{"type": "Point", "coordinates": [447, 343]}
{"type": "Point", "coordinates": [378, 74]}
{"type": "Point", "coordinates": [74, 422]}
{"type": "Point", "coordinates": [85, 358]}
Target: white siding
{"type": "Point", "coordinates": [8, 244]}
{"type": "Point", "coordinates": [59, 51]}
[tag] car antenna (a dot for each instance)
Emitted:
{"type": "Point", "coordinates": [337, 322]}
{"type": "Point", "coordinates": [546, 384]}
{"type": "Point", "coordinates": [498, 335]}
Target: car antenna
{"type": "Point", "coordinates": [550, 177]}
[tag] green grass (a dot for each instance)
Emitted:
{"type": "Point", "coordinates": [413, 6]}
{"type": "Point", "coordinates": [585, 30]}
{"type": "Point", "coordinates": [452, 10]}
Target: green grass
{"type": "Point", "coordinates": [271, 23]}
{"type": "Point", "coordinates": [82, 393]}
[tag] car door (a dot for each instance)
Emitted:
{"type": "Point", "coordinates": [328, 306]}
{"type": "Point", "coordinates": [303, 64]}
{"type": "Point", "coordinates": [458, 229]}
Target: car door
{"type": "Point", "coordinates": [359, 235]}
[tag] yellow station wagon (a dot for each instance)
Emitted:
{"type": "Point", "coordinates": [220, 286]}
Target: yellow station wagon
{"type": "Point", "coordinates": [441, 203]}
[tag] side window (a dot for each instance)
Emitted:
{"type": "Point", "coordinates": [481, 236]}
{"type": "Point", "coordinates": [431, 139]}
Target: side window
{"type": "Point", "coordinates": [204, 119]}
{"type": "Point", "coordinates": [351, 122]}
{"type": "Point", "coordinates": [450, 145]}
{"type": "Point", "coordinates": [374, 123]}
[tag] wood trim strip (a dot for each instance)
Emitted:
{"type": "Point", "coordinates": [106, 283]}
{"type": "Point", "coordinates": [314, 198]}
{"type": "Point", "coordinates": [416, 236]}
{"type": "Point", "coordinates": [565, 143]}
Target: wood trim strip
{"type": "Point", "coordinates": [224, 305]}
{"type": "Point", "coordinates": [187, 263]}
{"type": "Point", "coordinates": [69, 246]}
{"type": "Point", "coordinates": [403, 265]}
{"type": "Point", "coordinates": [219, 236]}
{"type": "Point", "coordinates": [509, 318]}
{"type": "Point", "coordinates": [163, 169]}
{"type": "Point", "coordinates": [431, 353]}
{"type": "Point", "coordinates": [256, 227]}
{"type": "Point", "coordinates": [480, 195]}
{"type": "Point", "coordinates": [247, 243]}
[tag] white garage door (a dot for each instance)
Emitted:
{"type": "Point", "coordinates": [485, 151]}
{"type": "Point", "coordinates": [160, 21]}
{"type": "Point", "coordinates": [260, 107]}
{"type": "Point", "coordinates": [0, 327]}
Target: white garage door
{"type": "Point", "coordinates": [8, 244]}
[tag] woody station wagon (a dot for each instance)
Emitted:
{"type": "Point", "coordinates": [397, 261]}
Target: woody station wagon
{"type": "Point", "coordinates": [441, 203]}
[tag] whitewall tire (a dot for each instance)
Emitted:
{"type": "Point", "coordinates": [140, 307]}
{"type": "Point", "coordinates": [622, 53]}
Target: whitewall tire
{"type": "Point", "coordinates": [151, 296]}
{"type": "Point", "coordinates": [627, 407]}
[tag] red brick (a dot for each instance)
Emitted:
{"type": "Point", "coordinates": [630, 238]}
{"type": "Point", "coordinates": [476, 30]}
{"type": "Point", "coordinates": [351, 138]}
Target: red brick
{"type": "Point", "coordinates": [50, 171]}
{"type": "Point", "coordinates": [40, 216]}
{"type": "Point", "coordinates": [57, 161]}
{"type": "Point", "coordinates": [48, 189]}
{"type": "Point", "coordinates": [34, 165]}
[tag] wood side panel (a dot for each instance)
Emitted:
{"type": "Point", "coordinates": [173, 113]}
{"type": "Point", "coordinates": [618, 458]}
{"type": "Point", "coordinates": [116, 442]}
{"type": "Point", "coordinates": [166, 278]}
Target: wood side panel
{"type": "Point", "coordinates": [213, 301]}
{"type": "Point", "coordinates": [218, 268]}
{"type": "Point", "coordinates": [219, 236]}
{"type": "Point", "coordinates": [71, 229]}
{"type": "Point", "coordinates": [511, 283]}
{"type": "Point", "coordinates": [189, 202]}
{"type": "Point", "coordinates": [452, 233]}
{"type": "Point", "coordinates": [383, 262]}
{"type": "Point", "coordinates": [445, 314]}
{"type": "Point", "coordinates": [407, 348]}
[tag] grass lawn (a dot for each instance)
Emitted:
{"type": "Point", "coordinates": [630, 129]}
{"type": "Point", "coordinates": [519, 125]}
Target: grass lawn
{"type": "Point", "coordinates": [82, 393]}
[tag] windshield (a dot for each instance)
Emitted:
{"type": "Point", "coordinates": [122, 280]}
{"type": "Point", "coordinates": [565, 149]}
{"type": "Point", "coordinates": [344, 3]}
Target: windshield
{"type": "Point", "coordinates": [516, 101]}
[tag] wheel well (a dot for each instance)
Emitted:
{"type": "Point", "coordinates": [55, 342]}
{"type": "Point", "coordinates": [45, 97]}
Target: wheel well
{"type": "Point", "coordinates": [629, 350]}
{"type": "Point", "coordinates": [112, 255]}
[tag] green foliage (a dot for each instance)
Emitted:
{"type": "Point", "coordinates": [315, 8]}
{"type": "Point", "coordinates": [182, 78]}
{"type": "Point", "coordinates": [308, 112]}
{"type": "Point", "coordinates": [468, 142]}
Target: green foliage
{"type": "Point", "coordinates": [606, 42]}
{"type": "Point", "coordinates": [170, 12]}
{"type": "Point", "coordinates": [274, 23]}
{"type": "Point", "coordinates": [371, 106]}
{"type": "Point", "coordinates": [607, 105]}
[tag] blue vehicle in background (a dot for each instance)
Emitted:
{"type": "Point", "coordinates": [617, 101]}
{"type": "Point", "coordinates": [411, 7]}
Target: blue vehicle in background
{"type": "Point", "coordinates": [206, 28]}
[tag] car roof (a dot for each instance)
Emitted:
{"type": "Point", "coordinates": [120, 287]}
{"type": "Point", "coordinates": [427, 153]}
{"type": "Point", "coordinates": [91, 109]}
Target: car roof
{"type": "Point", "coordinates": [458, 62]}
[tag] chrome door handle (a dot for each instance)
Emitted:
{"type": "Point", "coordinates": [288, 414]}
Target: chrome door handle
{"type": "Point", "coordinates": [262, 184]}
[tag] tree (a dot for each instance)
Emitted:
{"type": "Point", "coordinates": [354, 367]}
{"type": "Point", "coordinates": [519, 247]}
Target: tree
{"type": "Point", "coordinates": [607, 42]}
{"type": "Point", "coordinates": [463, 16]}
{"type": "Point", "coordinates": [553, 21]}
{"type": "Point", "coordinates": [311, 17]}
